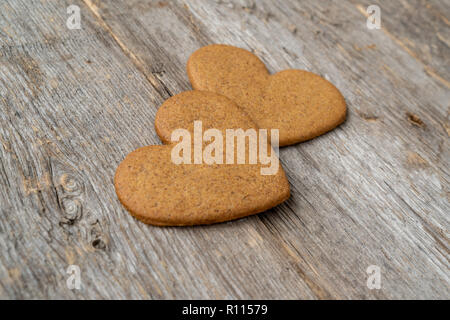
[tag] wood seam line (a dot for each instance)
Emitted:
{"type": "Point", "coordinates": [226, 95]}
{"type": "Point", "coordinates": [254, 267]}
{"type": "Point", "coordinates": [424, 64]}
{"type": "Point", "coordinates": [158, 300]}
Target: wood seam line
{"type": "Point", "coordinates": [160, 88]}
{"type": "Point", "coordinates": [427, 68]}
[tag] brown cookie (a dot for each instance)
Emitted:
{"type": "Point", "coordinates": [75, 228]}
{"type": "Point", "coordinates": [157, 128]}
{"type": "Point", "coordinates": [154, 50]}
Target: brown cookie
{"type": "Point", "coordinates": [300, 104]}
{"type": "Point", "coordinates": [158, 191]}
{"type": "Point", "coordinates": [214, 110]}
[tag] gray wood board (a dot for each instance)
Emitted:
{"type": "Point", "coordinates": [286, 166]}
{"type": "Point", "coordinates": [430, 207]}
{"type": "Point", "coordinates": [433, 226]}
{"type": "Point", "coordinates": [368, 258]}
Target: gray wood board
{"type": "Point", "coordinates": [375, 191]}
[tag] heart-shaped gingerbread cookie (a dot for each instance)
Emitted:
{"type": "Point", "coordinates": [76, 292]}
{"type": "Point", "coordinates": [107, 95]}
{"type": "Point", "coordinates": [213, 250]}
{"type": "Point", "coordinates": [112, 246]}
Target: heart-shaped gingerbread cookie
{"type": "Point", "coordinates": [160, 191]}
{"type": "Point", "coordinates": [300, 104]}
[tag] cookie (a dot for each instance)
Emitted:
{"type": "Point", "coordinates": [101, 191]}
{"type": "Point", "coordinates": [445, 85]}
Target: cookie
{"type": "Point", "coordinates": [302, 105]}
{"type": "Point", "coordinates": [158, 190]}
{"type": "Point", "coordinates": [214, 110]}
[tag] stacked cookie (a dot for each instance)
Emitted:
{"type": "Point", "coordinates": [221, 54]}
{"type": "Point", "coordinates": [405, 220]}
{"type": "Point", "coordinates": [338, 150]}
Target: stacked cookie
{"type": "Point", "coordinates": [232, 90]}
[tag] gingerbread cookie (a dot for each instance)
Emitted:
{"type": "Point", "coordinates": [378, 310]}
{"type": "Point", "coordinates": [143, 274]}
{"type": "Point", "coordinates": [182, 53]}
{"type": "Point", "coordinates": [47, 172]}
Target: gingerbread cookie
{"type": "Point", "coordinates": [214, 110]}
{"type": "Point", "coordinates": [159, 192]}
{"type": "Point", "coordinates": [161, 186]}
{"type": "Point", "coordinates": [302, 105]}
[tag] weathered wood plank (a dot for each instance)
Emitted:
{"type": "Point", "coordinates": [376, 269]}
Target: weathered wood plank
{"type": "Point", "coordinates": [356, 200]}
{"type": "Point", "coordinates": [73, 105]}
{"type": "Point", "coordinates": [373, 192]}
{"type": "Point", "coordinates": [404, 22]}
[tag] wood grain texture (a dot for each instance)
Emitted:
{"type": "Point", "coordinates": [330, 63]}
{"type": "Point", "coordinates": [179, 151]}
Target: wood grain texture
{"type": "Point", "coordinates": [375, 191]}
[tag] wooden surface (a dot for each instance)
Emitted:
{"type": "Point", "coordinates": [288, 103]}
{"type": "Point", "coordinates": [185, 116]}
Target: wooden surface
{"type": "Point", "coordinates": [375, 191]}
